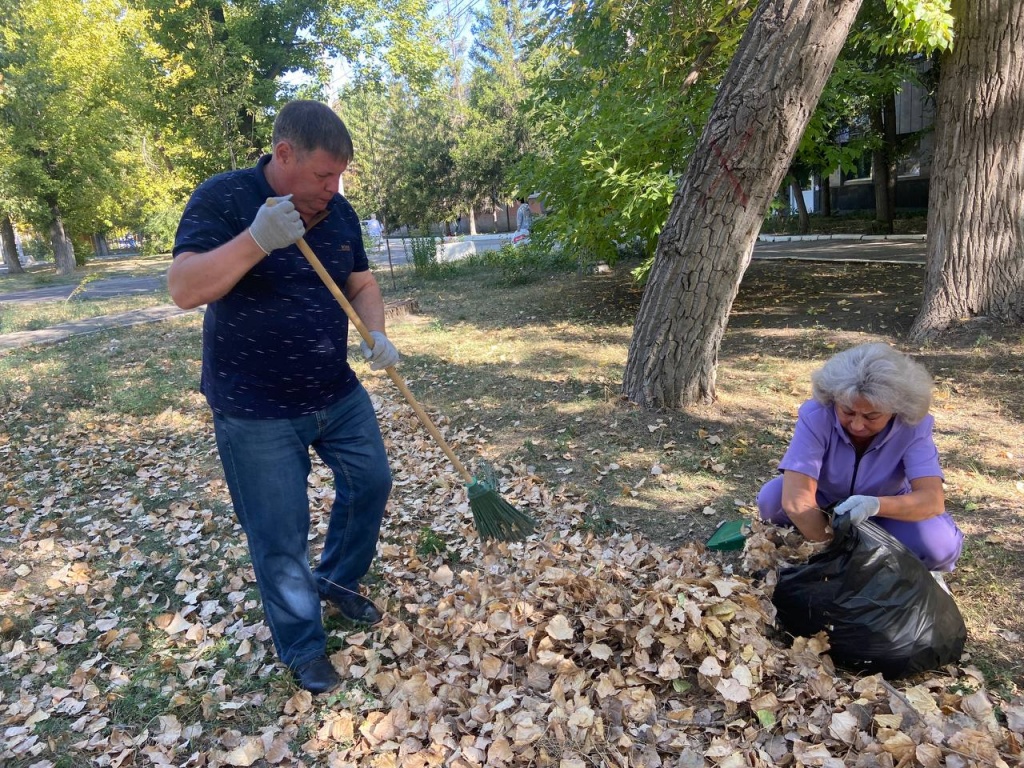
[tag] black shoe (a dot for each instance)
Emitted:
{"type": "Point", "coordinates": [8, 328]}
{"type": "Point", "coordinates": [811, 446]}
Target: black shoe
{"type": "Point", "coordinates": [317, 676]}
{"type": "Point", "coordinates": [356, 608]}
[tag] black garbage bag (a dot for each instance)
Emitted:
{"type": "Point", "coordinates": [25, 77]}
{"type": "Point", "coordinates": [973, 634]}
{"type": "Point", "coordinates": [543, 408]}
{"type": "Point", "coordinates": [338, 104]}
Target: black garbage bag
{"type": "Point", "coordinates": [881, 608]}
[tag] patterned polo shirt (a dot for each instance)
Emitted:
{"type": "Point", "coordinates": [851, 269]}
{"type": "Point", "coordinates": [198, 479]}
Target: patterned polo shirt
{"type": "Point", "coordinates": [276, 346]}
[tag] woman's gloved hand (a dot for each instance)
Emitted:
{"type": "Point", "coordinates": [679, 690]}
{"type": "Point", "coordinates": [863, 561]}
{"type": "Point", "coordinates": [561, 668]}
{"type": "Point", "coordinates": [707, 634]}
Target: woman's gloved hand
{"type": "Point", "coordinates": [859, 508]}
{"type": "Point", "coordinates": [382, 355]}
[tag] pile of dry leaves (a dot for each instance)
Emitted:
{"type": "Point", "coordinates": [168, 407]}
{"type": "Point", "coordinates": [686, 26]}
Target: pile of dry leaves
{"type": "Point", "coordinates": [567, 650]}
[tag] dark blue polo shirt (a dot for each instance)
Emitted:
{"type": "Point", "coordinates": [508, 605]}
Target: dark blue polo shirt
{"type": "Point", "coordinates": [276, 346]}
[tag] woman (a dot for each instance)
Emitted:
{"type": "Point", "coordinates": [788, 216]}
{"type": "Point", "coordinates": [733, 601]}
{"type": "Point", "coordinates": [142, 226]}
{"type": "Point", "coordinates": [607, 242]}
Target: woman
{"type": "Point", "coordinates": [865, 440]}
{"type": "Point", "coordinates": [524, 216]}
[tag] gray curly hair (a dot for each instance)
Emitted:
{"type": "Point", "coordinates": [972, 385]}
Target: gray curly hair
{"type": "Point", "coordinates": [885, 377]}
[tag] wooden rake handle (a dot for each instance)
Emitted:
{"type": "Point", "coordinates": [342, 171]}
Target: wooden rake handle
{"type": "Point", "coordinates": [394, 374]}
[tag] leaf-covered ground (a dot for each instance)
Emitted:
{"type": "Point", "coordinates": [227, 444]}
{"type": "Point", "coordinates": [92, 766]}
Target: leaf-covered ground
{"type": "Point", "coordinates": [131, 632]}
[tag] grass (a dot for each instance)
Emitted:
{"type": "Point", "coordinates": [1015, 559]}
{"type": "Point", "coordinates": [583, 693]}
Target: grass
{"type": "Point", "coordinates": [34, 316]}
{"type": "Point", "coordinates": [105, 443]}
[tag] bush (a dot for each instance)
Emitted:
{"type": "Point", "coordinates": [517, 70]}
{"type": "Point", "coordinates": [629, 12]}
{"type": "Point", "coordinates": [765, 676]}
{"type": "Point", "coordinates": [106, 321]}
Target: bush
{"type": "Point", "coordinates": [158, 231]}
{"type": "Point", "coordinates": [528, 263]}
{"type": "Point", "coordinates": [423, 248]}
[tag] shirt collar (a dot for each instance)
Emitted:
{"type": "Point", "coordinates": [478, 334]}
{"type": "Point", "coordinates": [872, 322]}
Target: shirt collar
{"type": "Point", "coordinates": [261, 177]}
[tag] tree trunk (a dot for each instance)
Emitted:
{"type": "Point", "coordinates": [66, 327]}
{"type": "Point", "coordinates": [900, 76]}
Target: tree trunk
{"type": "Point", "coordinates": [63, 250]}
{"type": "Point", "coordinates": [804, 221]}
{"type": "Point", "coordinates": [762, 108]}
{"type": "Point", "coordinates": [9, 246]}
{"type": "Point", "coordinates": [883, 125]}
{"type": "Point", "coordinates": [975, 250]}
{"type": "Point", "coordinates": [472, 221]}
{"type": "Point", "coordinates": [826, 196]}
{"type": "Point", "coordinates": [100, 245]}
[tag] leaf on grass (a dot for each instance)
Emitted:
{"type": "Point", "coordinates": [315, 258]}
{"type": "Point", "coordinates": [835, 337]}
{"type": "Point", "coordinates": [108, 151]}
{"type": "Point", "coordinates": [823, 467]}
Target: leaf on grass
{"type": "Point", "coordinates": [248, 752]}
{"type": "Point", "coordinates": [172, 623]}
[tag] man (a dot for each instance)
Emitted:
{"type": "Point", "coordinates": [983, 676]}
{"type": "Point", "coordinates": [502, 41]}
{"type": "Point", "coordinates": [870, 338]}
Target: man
{"type": "Point", "coordinates": [276, 375]}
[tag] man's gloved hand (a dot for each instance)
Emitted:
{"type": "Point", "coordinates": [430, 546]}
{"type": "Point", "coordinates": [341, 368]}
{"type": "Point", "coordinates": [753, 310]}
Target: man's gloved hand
{"type": "Point", "coordinates": [277, 224]}
{"type": "Point", "coordinates": [859, 508]}
{"type": "Point", "coordinates": [383, 354]}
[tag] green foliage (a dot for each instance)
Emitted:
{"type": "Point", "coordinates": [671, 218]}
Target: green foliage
{"type": "Point", "coordinates": [66, 125]}
{"type": "Point", "coordinates": [423, 249]}
{"type": "Point", "coordinates": [921, 26]}
{"type": "Point", "coordinates": [218, 67]}
{"type": "Point", "coordinates": [429, 543]}
{"type": "Point", "coordinates": [617, 108]}
{"type": "Point", "coordinates": [425, 184]}
{"type": "Point", "coordinates": [157, 226]}
{"type": "Point", "coordinates": [524, 264]}
{"type": "Point", "coordinates": [883, 52]}
{"type": "Point", "coordinates": [367, 180]}
{"type": "Point", "coordinates": [495, 133]}
{"type": "Point", "coordinates": [213, 69]}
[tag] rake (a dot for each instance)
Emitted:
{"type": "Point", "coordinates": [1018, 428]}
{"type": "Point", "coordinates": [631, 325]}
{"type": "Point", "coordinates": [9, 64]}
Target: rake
{"type": "Point", "coordinates": [493, 517]}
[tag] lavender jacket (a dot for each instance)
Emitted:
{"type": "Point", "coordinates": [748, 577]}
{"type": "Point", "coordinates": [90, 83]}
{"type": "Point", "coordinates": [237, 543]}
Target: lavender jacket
{"type": "Point", "coordinates": [821, 449]}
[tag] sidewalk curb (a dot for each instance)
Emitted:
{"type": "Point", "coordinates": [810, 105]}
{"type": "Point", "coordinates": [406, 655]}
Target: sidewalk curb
{"type": "Point", "coordinates": [911, 262]}
{"type": "Point", "coordinates": [813, 238]}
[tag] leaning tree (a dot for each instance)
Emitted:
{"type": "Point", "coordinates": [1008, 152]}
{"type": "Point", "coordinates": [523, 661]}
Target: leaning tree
{"type": "Point", "coordinates": [763, 105]}
{"type": "Point", "coordinates": [975, 250]}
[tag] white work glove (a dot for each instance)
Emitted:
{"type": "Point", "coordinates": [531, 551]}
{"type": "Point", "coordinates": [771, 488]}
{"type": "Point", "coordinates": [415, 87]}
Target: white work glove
{"type": "Point", "coordinates": [277, 224]}
{"type": "Point", "coordinates": [383, 354]}
{"type": "Point", "coordinates": [859, 508]}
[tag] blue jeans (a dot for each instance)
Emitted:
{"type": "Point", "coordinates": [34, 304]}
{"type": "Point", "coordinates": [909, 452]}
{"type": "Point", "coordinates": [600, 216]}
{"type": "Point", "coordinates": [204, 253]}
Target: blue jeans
{"type": "Point", "coordinates": [266, 464]}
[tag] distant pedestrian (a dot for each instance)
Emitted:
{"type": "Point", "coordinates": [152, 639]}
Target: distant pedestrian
{"type": "Point", "coordinates": [524, 216]}
{"type": "Point", "coordinates": [374, 230]}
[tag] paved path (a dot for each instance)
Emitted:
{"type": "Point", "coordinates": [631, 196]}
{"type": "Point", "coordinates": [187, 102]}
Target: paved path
{"type": "Point", "coordinates": [843, 248]}
{"type": "Point", "coordinates": [896, 250]}
{"type": "Point", "coordinates": [96, 289]}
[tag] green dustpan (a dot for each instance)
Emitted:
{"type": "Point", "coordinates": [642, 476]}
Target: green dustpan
{"type": "Point", "coordinates": [730, 535]}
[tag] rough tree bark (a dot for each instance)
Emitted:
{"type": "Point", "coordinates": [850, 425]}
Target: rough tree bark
{"type": "Point", "coordinates": [883, 165]}
{"type": "Point", "coordinates": [761, 111]}
{"type": "Point", "coordinates": [63, 250]}
{"type": "Point", "coordinates": [9, 246]}
{"type": "Point", "coordinates": [975, 249]}
{"type": "Point", "coordinates": [99, 245]}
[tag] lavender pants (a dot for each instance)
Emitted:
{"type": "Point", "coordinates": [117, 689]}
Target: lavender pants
{"type": "Point", "coordinates": [936, 541]}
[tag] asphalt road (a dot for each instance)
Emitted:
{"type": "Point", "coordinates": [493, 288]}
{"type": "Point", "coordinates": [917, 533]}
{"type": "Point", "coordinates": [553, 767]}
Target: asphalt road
{"type": "Point", "coordinates": [97, 289]}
